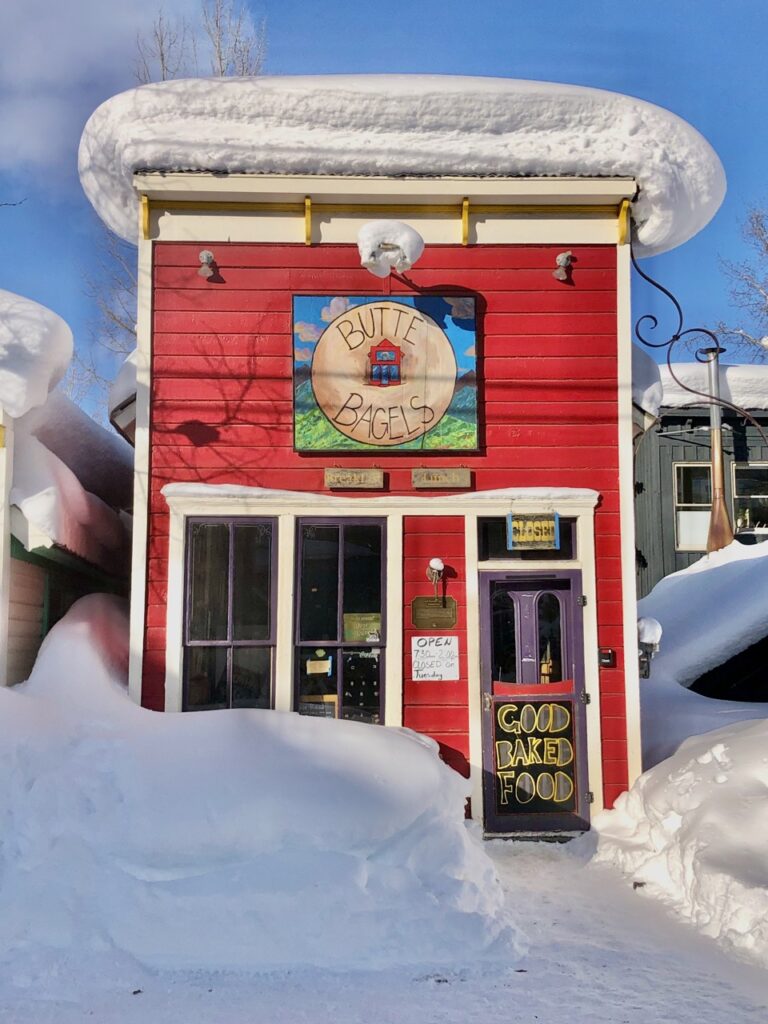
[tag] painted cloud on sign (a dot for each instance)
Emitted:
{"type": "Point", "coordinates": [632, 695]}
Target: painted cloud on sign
{"type": "Point", "coordinates": [306, 332]}
{"type": "Point", "coordinates": [335, 307]}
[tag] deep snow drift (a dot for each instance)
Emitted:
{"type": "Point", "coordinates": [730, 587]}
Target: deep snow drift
{"type": "Point", "coordinates": [228, 839]}
{"type": "Point", "coordinates": [694, 830]}
{"type": "Point", "coordinates": [400, 125]}
{"type": "Point", "coordinates": [708, 612]}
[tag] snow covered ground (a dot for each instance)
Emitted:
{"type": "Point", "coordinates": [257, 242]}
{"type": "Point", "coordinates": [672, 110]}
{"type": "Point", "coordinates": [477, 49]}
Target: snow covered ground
{"type": "Point", "coordinates": [599, 954]}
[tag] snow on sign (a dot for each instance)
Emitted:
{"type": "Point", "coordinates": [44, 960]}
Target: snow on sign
{"type": "Point", "coordinates": [435, 657]}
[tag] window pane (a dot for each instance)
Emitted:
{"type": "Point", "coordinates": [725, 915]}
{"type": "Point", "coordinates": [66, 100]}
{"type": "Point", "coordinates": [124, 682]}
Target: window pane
{"type": "Point", "coordinates": [550, 639]}
{"type": "Point", "coordinates": [206, 678]}
{"type": "Point", "coordinates": [208, 581]}
{"type": "Point", "coordinates": [316, 668]}
{"type": "Point", "coordinates": [362, 583]}
{"type": "Point", "coordinates": [692, 529]}
{"type": "Point", "coordinates": [504, 641]}
{"type": "Point", "coordinates": [319, 583]}
{"type": "Point", "coordinates": [360, 685]}
{"type": "Point", "coordinates": [251, 586]}
{"type": "Point", "coordinates": [693, 485]}
{"type": "Point", "coordinates": [492, 542]}
{"type": "Point", "coordinates": [251, 674]}
{"type": "Point", "coordinates": [752, 481]}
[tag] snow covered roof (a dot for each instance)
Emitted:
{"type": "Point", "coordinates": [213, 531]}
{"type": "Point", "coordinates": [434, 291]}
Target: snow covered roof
{"type": "Point", "coordinates": [647, 390]}
{"type": "Point", "coordinates": [100, 459]}
{"type": "Point", "coordinates": [744, 385]}
{"type": "Point", "coordinates": [403, 125]}
{"type": "Point", "coordinates": [35, 350]}
{"type": "Point", "coordinates": [57, 509]}
{"type": "Point", "coordinates": [123, 387]}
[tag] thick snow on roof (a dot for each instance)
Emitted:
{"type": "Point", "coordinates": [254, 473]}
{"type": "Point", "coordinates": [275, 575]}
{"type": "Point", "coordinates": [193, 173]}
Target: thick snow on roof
{"type": "Point", "coordinates": [400, 125]}
{"type": "Point", "coordinates": [246, 839]}
{"type": "Point", "coordinates": [35, 349]}
{"type": "Point", "coordinates": [709, 612]}
{"type": "Point", "coordinates": [54, 502]}
{"type": "Point", "coordinates": [123, 387]}
{"type": "Point", "coordinates": [745, 385]}
{"type": "Point", "coordinates": [693, 832]}
{"type": "Point", "coordinates": [647, 391]}
{"type": "Point", "coordinates": [100, 459]}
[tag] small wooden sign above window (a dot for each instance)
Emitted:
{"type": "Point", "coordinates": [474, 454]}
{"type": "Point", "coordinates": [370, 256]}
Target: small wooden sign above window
{"type": "Point", "coordinates": [533, 532]}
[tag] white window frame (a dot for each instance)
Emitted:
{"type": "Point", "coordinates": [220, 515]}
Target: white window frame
{"type": "Point", "coordinates": [762, 464]}
{"type": "Point", "coordinates": [689, 506]}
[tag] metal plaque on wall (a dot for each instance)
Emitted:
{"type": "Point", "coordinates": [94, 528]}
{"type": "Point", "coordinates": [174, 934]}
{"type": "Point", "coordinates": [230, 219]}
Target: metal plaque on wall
{"type": "Point", "coordinates": [433, 613]}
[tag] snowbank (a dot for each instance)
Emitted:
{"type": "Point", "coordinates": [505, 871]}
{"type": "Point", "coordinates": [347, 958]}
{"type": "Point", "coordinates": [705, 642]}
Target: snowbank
{"type": "Point", "coordinates": [710, 611]}
{"type": "Point", "coordinates": [35, 349]}
{"type": "Point", "coordinates": [398, 125]}
{"type": "Point", "coordinates": [229, 839]}
{"type": "Point", "coordinates": [100, 459]}
{"type": "Point", "coordinates": [694, 831]}
{"type": "Point", "coordinates": [647, 389]}
{"type": "Point", "coordinates": [745, 385]}
{"type": "Point", "coordinates": [53, 501]}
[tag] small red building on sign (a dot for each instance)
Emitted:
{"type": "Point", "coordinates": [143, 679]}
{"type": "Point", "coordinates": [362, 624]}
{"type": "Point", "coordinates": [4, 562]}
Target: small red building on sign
{"type": "Point", "coordinates": [386, 364]}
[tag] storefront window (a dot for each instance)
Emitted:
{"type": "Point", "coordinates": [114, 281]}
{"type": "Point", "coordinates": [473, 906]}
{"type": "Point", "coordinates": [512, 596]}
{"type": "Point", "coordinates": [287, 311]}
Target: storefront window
{"type": "Point", "coordinates": [340, 631]}
{"type": "Point", "coordinates": [750, 497]}
{"type": "Point", "coordinates": [229, 635]}
{"type": "Point", "coordinates": [693, 503]}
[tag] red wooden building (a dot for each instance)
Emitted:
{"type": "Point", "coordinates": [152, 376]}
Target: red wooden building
{"type": "Point", "coordinates": [452, 552]}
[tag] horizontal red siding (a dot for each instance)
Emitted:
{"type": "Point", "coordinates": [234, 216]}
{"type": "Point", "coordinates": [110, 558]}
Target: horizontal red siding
{"type": "Point", "coordinates": [222, 413]}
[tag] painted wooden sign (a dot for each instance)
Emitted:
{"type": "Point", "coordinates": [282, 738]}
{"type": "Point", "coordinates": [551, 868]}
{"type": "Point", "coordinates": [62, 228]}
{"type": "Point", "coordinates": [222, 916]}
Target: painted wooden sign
{"type": "Point", "coordinates": [533, 532]}
{"type": "Point", "coordinates": [441, 478]}
{"type": "Point", "coordinates": [384, 373]}
{"type": "Point", "coordinates": [434, 657]}
{"type": "Point", "coordinates": [534, 758]}
{"type": "Point", "coordinates": [354, 479]}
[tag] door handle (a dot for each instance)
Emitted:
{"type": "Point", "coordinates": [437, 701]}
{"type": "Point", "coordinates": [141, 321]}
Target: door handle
{"type": "Point", "coordinates": [487, 703]}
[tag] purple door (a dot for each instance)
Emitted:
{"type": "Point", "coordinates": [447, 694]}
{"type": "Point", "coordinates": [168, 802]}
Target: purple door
{"type": "Point", "coordinates": [534, 705]}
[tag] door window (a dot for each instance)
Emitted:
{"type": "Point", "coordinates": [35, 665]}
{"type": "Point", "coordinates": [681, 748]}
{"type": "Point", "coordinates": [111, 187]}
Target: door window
{"type": "Point", "coordinates": [527, 631]}
{"type": "Point", "coordinates": [340, 637]}
{"type": "Point", "coordinates": [229, 626]}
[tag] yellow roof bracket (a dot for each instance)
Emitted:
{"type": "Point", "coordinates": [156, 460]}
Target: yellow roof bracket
{"type": "Point", "coordinates": [624, 225]}
{"type": "Point", "coordinates": [145, 217]}
{"type": "Point", "coordinates": [465, 221]}
{"type": "Point", "coordinates": [307, 220]}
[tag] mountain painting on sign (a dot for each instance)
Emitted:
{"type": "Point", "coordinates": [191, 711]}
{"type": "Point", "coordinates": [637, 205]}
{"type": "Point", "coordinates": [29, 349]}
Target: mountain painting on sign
{"type": "Point", "coordinates": [384, 372]}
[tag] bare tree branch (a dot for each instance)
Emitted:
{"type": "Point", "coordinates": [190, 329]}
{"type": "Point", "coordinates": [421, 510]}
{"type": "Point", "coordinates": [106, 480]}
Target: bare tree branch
{"type": "Point", "coordinates": [750, 292]}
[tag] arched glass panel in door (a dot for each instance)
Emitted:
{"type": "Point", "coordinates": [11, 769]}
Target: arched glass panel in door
{"type": "Point", "coordinates": [504, 637]}
{"type": "Point", "coordinates": [549, 621]}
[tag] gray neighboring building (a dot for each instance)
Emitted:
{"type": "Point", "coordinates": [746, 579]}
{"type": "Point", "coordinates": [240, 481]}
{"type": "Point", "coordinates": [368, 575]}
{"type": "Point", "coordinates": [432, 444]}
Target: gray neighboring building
{"type": "Point", "coordinates": [672, 473]}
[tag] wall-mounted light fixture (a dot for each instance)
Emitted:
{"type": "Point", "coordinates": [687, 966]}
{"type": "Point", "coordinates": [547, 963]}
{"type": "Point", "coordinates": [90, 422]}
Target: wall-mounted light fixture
{"type": "Point", "coordinates": [208, 264]}
{"type": "Point", "coordinates": [435, 571]}
{"type": "Point", "coordinates": [563, 263]}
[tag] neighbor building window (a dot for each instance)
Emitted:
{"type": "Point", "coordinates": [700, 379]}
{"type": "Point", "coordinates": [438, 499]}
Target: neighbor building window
{"type": "Point", "coordinates": [693, 504]}
{"type": "Point", "coordinates": [750, 497]}
{"type": "Point", "coordinates": [229, 621]}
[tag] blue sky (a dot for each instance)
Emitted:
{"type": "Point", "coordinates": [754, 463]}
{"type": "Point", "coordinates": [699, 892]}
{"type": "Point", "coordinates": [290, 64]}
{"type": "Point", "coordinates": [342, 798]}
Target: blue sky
{"type": "Point", "coordinates": [703, 59]}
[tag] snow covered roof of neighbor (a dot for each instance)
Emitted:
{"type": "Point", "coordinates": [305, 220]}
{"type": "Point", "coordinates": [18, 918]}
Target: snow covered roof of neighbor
{"type": "Point", "coordinates": [123, 387]}
{"type": "Point", "coordinates": [35, 349]}
{"type": "Point", "coordinates": [248, 840]}
{"type": "Point", "coordinates": [100, 459]}
{"type": "Point", "coordinates": [745, 385]}
{"type": "Point", "coordinates": [647, 391]}
{"type": "Point", "coordinates": [403, 125]}
{"type": "Point", "coordinates": [709, 612]}
{"type": "Point", "coordinates": [57, 509]}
